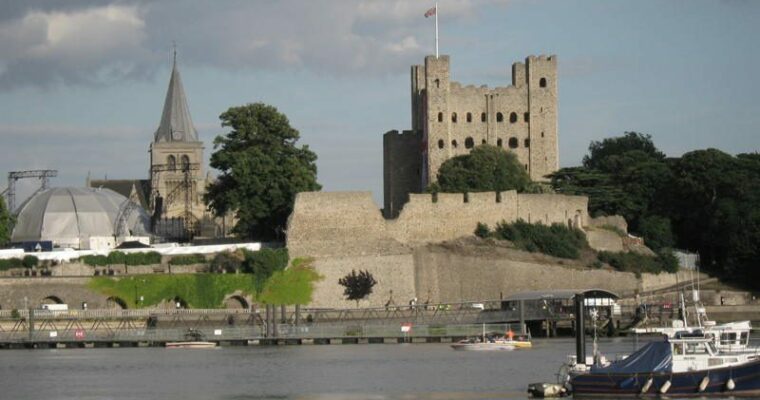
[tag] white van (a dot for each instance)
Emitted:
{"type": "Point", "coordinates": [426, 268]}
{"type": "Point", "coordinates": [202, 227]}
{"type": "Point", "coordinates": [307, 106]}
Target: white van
{"type": "Point", "coordinates": [55, 307]}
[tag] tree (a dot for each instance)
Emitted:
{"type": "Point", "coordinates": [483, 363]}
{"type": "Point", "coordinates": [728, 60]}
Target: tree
{"type": "Point", "coordinates": [602, 154]}
{"type": "Point", "coordinates": [5, 224]}
{"type": "Point", "coordinates": [487, 168]}
{"type": "Point", "coordinates": [262, 170]}
{"type": "Point", "coordinates": [357, 285]}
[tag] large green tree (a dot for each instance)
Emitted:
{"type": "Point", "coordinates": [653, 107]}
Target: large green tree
{"type": "Point", "coordinates": [5, 224]}
{"type": "Point", "coordinates": [262, 170]}
{"type": "Point", "coordinates": [486, 168]}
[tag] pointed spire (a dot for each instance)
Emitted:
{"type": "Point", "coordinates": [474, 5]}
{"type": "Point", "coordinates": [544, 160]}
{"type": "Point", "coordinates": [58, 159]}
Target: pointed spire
{"type": "Point", "coordinates": [176, 124]}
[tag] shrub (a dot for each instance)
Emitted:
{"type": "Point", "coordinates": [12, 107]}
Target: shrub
{"type": "Point", "coordinates": [10, 263]}
{"type": "Point", "coordinates": [640, 263]}
{"type": "Point", "coordinates": [556, 240]}
{"type": "Point", "coordinates": [148, 258]}
{"type": "Point", "coordinates": [116, 257]}
{"type": "Point", "coordinates": [482, 230]}
{"type": "Point", "coordinates": [263, 263]}
{"type": "Point", "coordinates": [188, 259]}
{"type": "Point", "coordinates": [226, 262]}
{"type": "Point", "coordinates": [30, 261]}
{"type": "Point", "coordinates": [95, 260]}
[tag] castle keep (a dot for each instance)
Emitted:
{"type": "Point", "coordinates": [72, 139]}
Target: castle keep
{"type": "Point", "coordinates": [449, 119]}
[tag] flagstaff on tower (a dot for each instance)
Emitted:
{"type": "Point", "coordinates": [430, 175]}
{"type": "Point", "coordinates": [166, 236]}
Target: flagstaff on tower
{"type": "Point", "coordinates": [434, 12]}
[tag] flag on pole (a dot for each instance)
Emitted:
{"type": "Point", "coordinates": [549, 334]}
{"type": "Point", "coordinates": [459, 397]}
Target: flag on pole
{"type": "Point", "coordinates": [430, 12]}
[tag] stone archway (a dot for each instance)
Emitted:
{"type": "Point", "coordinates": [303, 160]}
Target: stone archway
{"type": "Point", "coordinates": [236, 302]}
{"type": "Point", "coordinates": [52, 299]}
{"type": "Point", "coordinates": [116, 303]}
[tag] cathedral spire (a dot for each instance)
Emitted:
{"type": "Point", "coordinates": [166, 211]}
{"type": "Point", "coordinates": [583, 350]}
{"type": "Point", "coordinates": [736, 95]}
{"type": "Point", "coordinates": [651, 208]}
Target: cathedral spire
{"type": "Point", "coordinates": [176, 125]}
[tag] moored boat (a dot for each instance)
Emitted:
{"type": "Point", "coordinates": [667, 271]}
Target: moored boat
{"type": "Point", "coordinates": [190, 345]}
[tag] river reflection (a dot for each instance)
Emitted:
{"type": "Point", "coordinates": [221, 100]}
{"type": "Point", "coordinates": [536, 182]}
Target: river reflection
{"type": "Point", "coordinates": [313, 372]}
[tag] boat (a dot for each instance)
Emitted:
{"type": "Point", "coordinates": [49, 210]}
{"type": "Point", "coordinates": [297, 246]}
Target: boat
{"type": "Point", "coordinates": [194, 339]}
{"type": "Point", "coordinates": [487, 343]}
{"type": "Point", "coordinates": [687, 366]}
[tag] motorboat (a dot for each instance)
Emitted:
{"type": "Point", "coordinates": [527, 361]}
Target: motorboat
{"type": "Point", "coordinates": [194, 339]}
{"type": "Point", "coordinates": [685, 366]}
{"type": "Point", "coordinates": [507, 342]}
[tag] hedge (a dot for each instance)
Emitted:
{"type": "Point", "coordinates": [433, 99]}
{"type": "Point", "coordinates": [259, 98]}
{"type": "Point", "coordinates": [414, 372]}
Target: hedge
{"type": "Point", "coordinates": [637, 263]}
{"type": "Point", "coordinates": [556, 240]}
{"type": "Point", "coordinates": [10, 263]}
{"type": "Point", "coordinates": [188, 259]}
{"type": "Point", "coordinates": [119, 258]}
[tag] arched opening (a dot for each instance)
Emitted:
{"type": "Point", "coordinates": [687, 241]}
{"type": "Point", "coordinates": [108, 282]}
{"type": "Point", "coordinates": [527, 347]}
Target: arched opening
{"type": "Point", "coordinates": [437, 83]}
{"type": "Point", "coordinates": [52, 300]}
{"type": "Point", "coordinates": [440, 117]}
{"type": "Point", "coordinates": [454, 143]}
{"type": "Point", "coordinates": [116, 303]}
{"type": "Point", "coordinates": [171, 161]}
{"type": "Point", "coordinates": [185, 162]}
{"type": "Point", "coordinates": [499, 117]}
{"type": "Point", "coordinates": [469, 117]}
{"type": "Point", "coordinates": [542, 134]}
{"type": "Point", "coordinates": [179, 302]}
{"type": "Point", "coordinates": [513, 117]}
{"type": "Point", "coordinates": [469, 143]}
{"type": "Point", "coordinates": [542, 82]}
{"type": "Point", "coordinates": [513, 143]}
{"type": "Point", "coordinates": [527, 142]}
{"type": "Point", "coordinates": [499, 142]}
{"type": "Point", "coordinates": [483, 141]}
{"type": "Point", "coordinates": [236, 302]}
{"type": "Point", "coordinates": [440, 143]}
{"type": "Point", "coordinates": [526, 117]}
{"type": "Point", "coordinates": [482, 117]}
{"type": "Point", "coordinates": [454, 117]}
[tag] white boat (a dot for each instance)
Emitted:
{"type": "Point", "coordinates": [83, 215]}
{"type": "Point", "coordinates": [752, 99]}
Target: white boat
{"type": "Point", "coordinates": [485, 343]}
{"type": "Point", "coordinates": [190, 345]}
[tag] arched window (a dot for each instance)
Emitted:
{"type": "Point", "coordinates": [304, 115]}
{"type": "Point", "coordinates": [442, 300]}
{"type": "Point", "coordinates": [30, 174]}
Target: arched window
{"type": "Point", "coordinates": [499, 117]}
{"type": "Point", "coordinates": [526, 117]}
{"type": "Point", "coordinates": [542, 82]}
{"type": "Point", "coordinates": [513, 143]}
{"type": "Point", "coordinates": [440, 117]}
{"type": "Point", "coordinates": [469, 143]}
{"type": "Point", "coordinates": [513, 117]}
{"type": "Point", "coordinates": [482, 117]}
{"type": "Point", "coordinates": [453, 117]}
{"type": "Point", "coordinates": [469, 117]}
{"type": "Point", "coordinates": [440, 143]}
{"type": "Point", "coordinates": [500, 143]}
{"type": "Point", "coordinates": [527, 142]}
{"type": "Point", "coordinates": [185, 162]}
{"type": "Point", "coordinates": [454, 143]}
{"type": "Point", "coordinates": [171, 161]}
{"type": "Point", "coordinates": [483, 141]}
{"type": "Point", "coordinates": [437, 83]}
{"type": "Point", "coordinates": [542, 134]}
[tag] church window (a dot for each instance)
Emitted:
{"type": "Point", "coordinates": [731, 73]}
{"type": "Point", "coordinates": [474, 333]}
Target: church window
{"type": "Point", "coordinates": [171, 161]}
{"type": "Point", "coordinates": [454, 143]}
{"type": "Point", "coordinates": [500, 143]}
{"type": "Point", "coordinates": [526, 117]}
{"type": "Point", "coordinates": [527, 142]}
{"type": "Point", "coordinates": [482, 117]}
{"type": "Point", "coordinates": [469, 117]}
{"type": "Point", "coordinates": [513, 117]}
{"type": "Point", "coordinates": [469, 143]}
{"type": "Point", "coordinates": [453, 117]}
{"type": "Point", "coordinates": [440, 117]}
{"type": "Point", "coordinates": [542, 82]}
{"type": "Point", "coordinates": [440, 143]}
{"type": "Point", "coordinates": [499, 117]}
{"type": "Point", "coordinates": [185, 162]}
{"type": "Point", "coordinates": [513, 143]}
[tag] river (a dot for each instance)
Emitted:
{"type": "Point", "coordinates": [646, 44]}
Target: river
{"type": "Point", "coordinates": [308, 372]}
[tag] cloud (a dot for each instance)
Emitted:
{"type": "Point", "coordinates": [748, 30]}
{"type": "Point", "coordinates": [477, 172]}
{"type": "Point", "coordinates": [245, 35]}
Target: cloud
{"type": "Point", "coordinates": [92, 43]}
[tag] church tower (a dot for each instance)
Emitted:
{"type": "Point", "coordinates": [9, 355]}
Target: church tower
{"type": "Point", "coordinates": [176, 161]}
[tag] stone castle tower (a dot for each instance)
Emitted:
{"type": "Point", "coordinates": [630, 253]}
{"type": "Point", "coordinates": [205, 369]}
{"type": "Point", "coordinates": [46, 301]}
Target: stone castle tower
{"type": "Point", "coordinates": [176, 161]}
{"type": "Point", "coordinates": [449, 119]}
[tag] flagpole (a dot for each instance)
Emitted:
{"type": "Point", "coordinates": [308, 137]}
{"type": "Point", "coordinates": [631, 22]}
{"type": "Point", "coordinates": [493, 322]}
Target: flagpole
{"type": "Point", "coordinates": [436, 29]}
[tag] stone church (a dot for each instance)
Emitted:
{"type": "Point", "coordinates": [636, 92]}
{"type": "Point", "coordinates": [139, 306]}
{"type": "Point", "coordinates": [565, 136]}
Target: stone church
{"type": "Point", "coordinates": [449, 119]}
{"type": "Point", "coordinates": [173, 194]}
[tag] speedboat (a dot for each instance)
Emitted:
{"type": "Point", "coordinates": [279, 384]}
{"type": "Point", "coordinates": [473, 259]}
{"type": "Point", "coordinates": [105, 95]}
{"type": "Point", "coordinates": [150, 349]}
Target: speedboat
{"type": "Point", "coordinates": [507, 342]}
{"type": "Point", "coordinates": [686, 366]}
{"type": "Point", "coordinates": [194, 339]}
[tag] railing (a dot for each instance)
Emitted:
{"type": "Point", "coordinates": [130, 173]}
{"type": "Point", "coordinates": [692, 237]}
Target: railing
{"type": "Point", "coordinates": [115, 313]}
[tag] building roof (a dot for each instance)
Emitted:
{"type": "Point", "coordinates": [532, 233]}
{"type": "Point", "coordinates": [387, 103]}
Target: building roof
{"type": "Point", "coordinates": [560, 294]}
{"type": "Point", "coordinates": [176, 125]}
{"type": "Point", "coordinates": [70, 216]}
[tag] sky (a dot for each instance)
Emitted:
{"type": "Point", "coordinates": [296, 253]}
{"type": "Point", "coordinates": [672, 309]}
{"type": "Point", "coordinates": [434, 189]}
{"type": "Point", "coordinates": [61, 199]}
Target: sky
{"type": "Point", "coordinates": [82, 82]}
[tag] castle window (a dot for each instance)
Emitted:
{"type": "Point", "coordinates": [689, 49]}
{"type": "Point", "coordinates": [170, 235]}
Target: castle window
{"type": "Point", "coordinates": [499, 117]}
{"type": "Point", "coordinates": [440, 117]}
{"type": "Point", "coordinates": [542, 134]}
{"type": "Point", "coordinates": [527, 142]}
{"type": "Point", "coordinates": [185, 162]}
{"type": "Point", "coordinates": [171, 161]}
{"type": "Point", "coordinates": [542, 82]}
{"type": "Point", "coordinates": [453, 117]}
{"type": "Point", "coordinates": [513, 143]}
{"type": "Point", "coordinates": [437, 83]}
{"type": "Point", "coordinates": [513, 117]}
{"type": "Point", "coordinates": [526, 167]}
{"type": "Point", "coordinates": [469, 143]}
{"type": "Point", "coordinates": [482, 117]}
{"type": "Point", "coordinates": [440, 143]}
{"type": "Point", "coordinates": [454, 143]}
{"type": "Point", "coordinates": [500, 143]}
{"type": "Point", "coordinates": [483, 141]}
{"type": "Point", "coordinates": [526, 117]}
{"type": "Point", "coordinates": [469, 117]}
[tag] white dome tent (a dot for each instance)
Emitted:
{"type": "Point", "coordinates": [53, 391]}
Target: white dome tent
{"type": "Point", "coordinates": [72, 217]}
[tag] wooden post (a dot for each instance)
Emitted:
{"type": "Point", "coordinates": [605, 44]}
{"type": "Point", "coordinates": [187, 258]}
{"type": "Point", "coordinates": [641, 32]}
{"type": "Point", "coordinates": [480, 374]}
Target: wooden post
{"type": "Point", "coordinates": [522, 317]}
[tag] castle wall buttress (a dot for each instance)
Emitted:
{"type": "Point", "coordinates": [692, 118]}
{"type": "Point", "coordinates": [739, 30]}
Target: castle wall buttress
{"type": "Point", "coordinates": [542, 96]}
